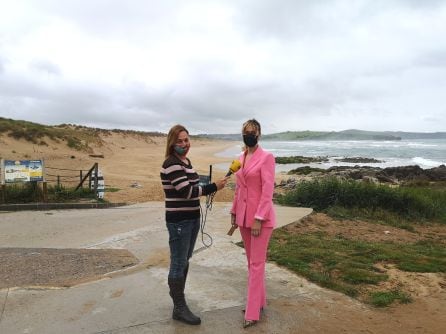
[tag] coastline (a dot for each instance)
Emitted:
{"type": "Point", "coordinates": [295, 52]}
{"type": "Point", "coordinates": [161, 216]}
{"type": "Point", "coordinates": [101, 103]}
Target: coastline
{"type": "Point", "coordinates": [131, 164]}
{"type": "Point", "coordinates": [424, 153]}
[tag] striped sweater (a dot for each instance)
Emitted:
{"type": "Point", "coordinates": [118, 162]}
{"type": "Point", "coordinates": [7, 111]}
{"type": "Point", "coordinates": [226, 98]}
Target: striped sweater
{"type": "Point", "coordinates": [181, 189]}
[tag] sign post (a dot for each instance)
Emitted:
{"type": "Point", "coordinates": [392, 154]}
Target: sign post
{"type": "Point", "coordinates": [22, 171]}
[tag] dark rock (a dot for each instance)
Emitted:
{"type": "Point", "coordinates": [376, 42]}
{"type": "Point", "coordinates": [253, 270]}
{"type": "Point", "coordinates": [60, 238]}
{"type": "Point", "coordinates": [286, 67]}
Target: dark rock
{"type": "Point", "coordinates": [359, 160]}
{"type": "Point", "coordinates": [306, 170]}
{"type": "Point", "coordinates": [403, 172]}
{"type": "Point", "coordinates": [437, 173]}
{"type": "Point", "coordinates": [300, 160]}
{"type": "Point", "coordinates": [393, 175]}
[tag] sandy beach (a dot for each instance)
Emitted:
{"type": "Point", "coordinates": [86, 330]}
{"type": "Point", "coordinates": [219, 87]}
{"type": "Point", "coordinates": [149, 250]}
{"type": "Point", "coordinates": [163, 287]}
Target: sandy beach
{"type": "Point", "coordinates": [130, 163]}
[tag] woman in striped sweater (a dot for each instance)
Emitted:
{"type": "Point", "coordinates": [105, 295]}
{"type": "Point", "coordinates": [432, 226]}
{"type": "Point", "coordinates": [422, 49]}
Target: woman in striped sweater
{"type": "Point", "coordinates": [182, 201]}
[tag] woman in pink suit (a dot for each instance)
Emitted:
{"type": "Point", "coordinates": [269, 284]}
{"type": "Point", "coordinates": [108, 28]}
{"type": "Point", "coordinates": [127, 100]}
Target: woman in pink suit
{"type": "Point", "coordinates": [253, 212]}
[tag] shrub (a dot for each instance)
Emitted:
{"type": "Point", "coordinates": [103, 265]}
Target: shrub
{"type": "Point", "coordinates": [29, 192]}
{"type": "Point", "coordinates": [412, 203]}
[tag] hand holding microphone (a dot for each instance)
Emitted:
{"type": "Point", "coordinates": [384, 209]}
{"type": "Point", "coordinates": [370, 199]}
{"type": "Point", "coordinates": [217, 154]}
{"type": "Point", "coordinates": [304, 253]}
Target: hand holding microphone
{"type": "Point", "coordinates": [235, 166]}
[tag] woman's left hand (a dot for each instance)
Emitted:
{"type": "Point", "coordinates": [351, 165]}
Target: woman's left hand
{"type": "Point", "coordinates": [256, 227]}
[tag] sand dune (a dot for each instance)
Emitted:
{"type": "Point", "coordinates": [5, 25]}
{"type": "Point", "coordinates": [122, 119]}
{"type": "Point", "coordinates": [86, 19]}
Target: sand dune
{"type": "Point", "coordinates": [128, 159]}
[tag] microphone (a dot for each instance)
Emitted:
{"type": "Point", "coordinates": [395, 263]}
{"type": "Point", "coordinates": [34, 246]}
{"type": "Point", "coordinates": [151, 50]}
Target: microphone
{"type": "Point", "coordinates": [235, 166]}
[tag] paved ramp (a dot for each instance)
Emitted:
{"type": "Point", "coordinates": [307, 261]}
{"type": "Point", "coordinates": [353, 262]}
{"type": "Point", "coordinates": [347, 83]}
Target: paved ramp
{"type": "Point", "coordinates": [136, 300]}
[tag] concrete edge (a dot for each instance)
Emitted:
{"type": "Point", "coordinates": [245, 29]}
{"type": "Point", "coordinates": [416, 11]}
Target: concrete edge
{"type": "Point", "coordinates": [57, 206]}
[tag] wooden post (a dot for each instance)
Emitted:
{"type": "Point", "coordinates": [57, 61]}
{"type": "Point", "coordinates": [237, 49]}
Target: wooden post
{"type": "Point", "coordinates": [80, 178]}
{"type": "Point", "coordinates": [35, 190]}
{"type": "Point", "coordinates": [45, 192]}
{"type": "Point", "coordinates": [89, 178]}
{"type": "Point", "coordinates": [3, 194]}
{"type": "Point", "coordinates": [96, 176]}
{"type": "Point", "coordinates": [58, 181]}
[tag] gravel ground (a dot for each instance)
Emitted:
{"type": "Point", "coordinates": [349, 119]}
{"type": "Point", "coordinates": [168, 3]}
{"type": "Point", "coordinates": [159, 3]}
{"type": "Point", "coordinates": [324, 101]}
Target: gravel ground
{"type": "Point", "coordinates": [49, 267]}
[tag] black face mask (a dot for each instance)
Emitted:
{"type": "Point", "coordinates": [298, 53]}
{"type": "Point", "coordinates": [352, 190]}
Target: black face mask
{"type": "Point", "coordinates": [250, 140]}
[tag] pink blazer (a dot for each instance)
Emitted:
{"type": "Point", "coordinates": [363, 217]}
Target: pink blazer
{"type": "Point", "coordinates": [254, 190]}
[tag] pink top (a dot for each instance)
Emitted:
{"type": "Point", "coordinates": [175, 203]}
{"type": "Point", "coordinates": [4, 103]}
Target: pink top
{"type": "Point", "coordinates": [254, 190]}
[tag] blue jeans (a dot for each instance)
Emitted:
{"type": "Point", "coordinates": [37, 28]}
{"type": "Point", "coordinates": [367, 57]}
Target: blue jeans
{"type": "Point", "coordinates": [182, 237]}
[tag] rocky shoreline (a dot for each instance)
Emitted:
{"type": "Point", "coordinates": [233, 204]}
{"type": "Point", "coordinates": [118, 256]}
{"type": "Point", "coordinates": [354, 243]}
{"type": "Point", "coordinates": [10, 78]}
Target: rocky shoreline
{"type": "Point", "coordinates": [298, 159]}
{"type": "Point", "coordinates": [414, 175]}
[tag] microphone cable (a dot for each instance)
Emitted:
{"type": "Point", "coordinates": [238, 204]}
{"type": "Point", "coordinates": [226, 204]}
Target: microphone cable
{"type": "Point", "coordinates": [235, 166]}
{"type": "Point", "coordinates": [204, 215]}
{"type": "Point", "coordinates": [208, 206]}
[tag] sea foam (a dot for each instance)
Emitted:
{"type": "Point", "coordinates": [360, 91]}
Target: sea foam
{"type": "Point", "coordinates": [426, 162]}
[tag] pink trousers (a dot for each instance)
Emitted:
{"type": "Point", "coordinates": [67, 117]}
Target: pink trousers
{"type": "Point", "coordinates": [255, 248]}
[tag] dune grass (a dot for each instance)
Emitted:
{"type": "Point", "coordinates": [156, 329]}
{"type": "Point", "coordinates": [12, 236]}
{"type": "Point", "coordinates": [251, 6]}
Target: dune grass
{"type": "Point", "coordinates": [31, 192]}
{"type": "Point", "coordinates": [350, 266]}
{"type": "Point", "coordinates": [385, 298]}
{"type": "Point", "coordinates": [77, 137]}
{"type": "Point", "coordinates": [410, 203]}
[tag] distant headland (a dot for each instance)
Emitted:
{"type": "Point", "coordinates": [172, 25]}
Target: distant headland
{"type": "Point", "coordinates": [338, 135]}
{"type": "Point", "coordinates": [31, 131]}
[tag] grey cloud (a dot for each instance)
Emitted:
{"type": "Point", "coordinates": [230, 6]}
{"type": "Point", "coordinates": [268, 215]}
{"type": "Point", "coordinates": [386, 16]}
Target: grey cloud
{"type": "Point", "coordinates": [433, 119]}
{"type": "Point", "coordinates": [435, 58]}
{"type": "Point", "coordinates": [326, 64]}
{"type": "Point", "coordinates": [45, 66]}
{"type": "Point", "coordinates": [427, 4]}
{"type": "Point", "coordinates": [301, 20]}
{"type": "Point", "coordinates": [115, 17]}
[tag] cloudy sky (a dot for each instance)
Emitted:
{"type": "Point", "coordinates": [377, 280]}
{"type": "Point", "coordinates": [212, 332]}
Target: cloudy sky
{"type": "Point", "coordinates": [210, 65]}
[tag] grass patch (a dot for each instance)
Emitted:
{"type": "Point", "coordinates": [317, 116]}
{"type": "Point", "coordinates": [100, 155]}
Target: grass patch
{"type": "Point", "coordinates": [18, 193]}
{"type": "Point", "coordinates": [31, 192]}
{"type": "Point", "coordinates": [406, 202]}
{"type": "Point", "coordinates": [111, 190]}
{"type": "Point", "coordinates": [61, 194]}
{"type": "Point", "coordinates": [385, 298]}
{"type": "Point", "coordinates": [377, 216]}
{"type": "Point", "coordinates": [349, 265]}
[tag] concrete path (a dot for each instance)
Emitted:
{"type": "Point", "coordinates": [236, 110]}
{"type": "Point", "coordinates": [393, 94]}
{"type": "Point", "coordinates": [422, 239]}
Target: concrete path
{"type": "Point", "coordinates": [136, 300]}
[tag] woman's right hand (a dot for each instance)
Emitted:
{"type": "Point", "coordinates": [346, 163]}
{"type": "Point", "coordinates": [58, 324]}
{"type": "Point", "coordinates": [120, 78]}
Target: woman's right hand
{"type": "Point", "coordinates": [221, 183]}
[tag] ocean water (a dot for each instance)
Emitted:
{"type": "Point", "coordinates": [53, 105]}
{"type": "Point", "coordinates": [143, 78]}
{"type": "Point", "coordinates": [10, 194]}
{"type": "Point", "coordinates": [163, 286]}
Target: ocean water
{"type": "Point", "coordinates": [426, 153]}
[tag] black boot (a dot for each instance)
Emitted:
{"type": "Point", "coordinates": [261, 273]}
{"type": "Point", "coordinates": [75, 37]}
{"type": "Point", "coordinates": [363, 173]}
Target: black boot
{"type": "Point", "coordinates": [186, 270]}
{"type": "Point", "coordinates": [181, 311]}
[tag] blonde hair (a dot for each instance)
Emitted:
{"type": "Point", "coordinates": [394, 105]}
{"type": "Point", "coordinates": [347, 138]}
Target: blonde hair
{"type": "Point", "coordinates": [172, 138]}
{"type": "Point", "coordinates": [254, 123]}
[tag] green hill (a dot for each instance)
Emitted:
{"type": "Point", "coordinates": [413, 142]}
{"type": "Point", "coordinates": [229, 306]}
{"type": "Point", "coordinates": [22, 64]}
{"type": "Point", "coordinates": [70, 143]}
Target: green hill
{"type": "Point", "coordinates": [353, 135]}
{"type": "Point", "coordinates": [333, 135]}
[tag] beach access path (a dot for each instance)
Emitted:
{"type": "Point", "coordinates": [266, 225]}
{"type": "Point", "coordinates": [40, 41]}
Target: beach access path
{"type": "Point", "coordinates": [136, 300]}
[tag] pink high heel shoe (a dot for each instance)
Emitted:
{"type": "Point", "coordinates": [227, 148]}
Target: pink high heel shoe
{"type": "Point", "coordinates": [249, 323]}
